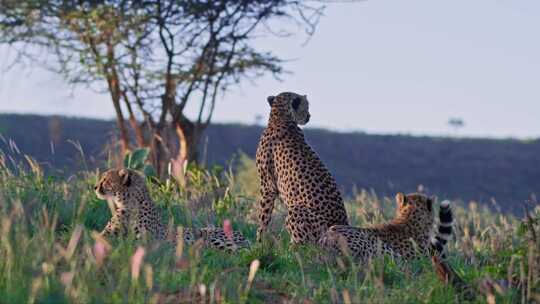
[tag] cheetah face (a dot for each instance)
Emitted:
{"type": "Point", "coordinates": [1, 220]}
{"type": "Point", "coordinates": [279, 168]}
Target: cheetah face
{"type": "Point", "coordinates": [113, 181]}
{"type": "Point", "coordinates": [415, 206]}
{"type": "Point", "coordinates": [294, 105]}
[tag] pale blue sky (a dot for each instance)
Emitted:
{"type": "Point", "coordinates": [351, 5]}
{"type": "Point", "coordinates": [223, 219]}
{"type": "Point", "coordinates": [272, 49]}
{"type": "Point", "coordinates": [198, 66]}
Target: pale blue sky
{"type": "Point", "coordinates": [378, 66]}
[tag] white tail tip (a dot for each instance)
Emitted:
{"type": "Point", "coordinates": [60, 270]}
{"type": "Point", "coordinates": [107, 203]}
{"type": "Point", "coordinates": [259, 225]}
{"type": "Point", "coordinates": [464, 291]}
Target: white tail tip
{"type": "Point", "coordinates": [445, 204]}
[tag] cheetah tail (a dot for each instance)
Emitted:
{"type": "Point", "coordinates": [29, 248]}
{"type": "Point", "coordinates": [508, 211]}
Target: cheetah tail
{"type": "Point", "coordinates": [444, 231]}
{"type": "Point", "coordinates": [448, 276]}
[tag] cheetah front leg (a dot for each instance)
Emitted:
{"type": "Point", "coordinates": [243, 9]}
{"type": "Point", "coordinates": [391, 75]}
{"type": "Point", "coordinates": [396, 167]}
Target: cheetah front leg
{"type": "Point", "coordinates": [112, 228]}
{"type": "Point", "coordinates": [301, 225]}
{"type": "Point", "coordinates": [266, 207]}
{"type": "Point", "coordinates": [117, 223]}
{"type": "Point", "coordinates": [269, 191]}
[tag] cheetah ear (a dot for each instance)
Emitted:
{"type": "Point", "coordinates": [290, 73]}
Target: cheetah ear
{"type": "Point", "coordinates": [270, 100]}
{"type": "Point", "coordinates": [125, 176]}
{"type": "Point", "coordinates": [400, 199]}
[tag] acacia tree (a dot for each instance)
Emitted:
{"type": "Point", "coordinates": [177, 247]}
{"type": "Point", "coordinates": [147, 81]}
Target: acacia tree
{"type": "Point", "coordinates": [153, 57]}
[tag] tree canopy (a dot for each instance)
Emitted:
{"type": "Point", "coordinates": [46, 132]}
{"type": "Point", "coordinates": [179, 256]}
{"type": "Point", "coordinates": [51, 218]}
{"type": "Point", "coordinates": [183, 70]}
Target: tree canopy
{"type": "Point", "coordinates": [154, 57]}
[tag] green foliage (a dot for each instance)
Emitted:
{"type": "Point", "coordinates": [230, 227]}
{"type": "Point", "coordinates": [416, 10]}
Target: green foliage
{"type": "Point", "coordinates": [246, 178]}
{"type": "Point", "coordinates": [48, 254]}
{"type": "Point", "coordinates": [136, 160]}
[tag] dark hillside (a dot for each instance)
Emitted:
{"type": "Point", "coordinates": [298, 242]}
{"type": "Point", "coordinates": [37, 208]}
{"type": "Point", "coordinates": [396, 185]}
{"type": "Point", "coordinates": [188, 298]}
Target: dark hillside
{"type": "Point", "coordinates": [469, 169]}
{"type": "Point", "coordinates": [52, 140]}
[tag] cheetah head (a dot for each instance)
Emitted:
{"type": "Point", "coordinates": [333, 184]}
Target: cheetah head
{"type": "Point", "coordinates": [415, 206]}
{"type": "Point", "coordinates": [294, 106]}
{"type": "Point", "coordinates": [115, 181]}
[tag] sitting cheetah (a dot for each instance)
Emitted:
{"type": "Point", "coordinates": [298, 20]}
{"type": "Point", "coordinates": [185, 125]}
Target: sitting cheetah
{"type": "Point", "coordinates": [404, 237]}
{"type": "Point", "coordinates": [136, 213]}
{"type": "Point", "coordinates": [290, 169]}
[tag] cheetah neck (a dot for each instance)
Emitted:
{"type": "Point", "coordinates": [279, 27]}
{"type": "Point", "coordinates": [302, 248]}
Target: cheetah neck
{"type": "Point", "coordinates": [280, 115]}
{"type": "Point", "coordinates": [282, 125]}
{"type": "Point", "coordinates": [407, 227]}
{"type": "Point", "coordinates": [131, 199]}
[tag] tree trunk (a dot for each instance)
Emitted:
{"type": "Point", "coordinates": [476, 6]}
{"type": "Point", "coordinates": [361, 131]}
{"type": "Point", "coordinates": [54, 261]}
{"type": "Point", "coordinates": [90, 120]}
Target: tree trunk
{"type": "Point", "coordinates": [116, 93]}
{"type": "Point", "coordinates": [115, 97]}
{"type": "Point", "coordinates": [139, 135]}
{"type": "Point", "coordinates": [135, 126]}
{"type": "Point", "coordinates": [159, 151]}
{"type": "Point", "coordinates": [189, 135]}
{"type": "Point", "coordinates": [162, 145]}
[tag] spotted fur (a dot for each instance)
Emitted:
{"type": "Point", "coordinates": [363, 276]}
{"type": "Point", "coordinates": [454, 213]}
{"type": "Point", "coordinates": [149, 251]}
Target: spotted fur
{"type": "Point", "coordinates": [406, 237]}
{"type": "Point", "coordinates": [135, 212]}
{"type": "Point", "coordinates": [289, 169]}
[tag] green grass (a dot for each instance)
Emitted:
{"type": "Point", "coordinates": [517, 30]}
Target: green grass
{"type": "Point", "coordinates": [47, 249]}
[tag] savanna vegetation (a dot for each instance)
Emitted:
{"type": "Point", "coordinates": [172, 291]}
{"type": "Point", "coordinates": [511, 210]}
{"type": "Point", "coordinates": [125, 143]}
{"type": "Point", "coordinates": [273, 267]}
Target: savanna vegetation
{"type": "Point", "coordinates": [50, 252]}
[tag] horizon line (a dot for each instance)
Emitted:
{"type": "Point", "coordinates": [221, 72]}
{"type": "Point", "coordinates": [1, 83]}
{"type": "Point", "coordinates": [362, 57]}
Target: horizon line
{"type": "Point", "coordinates": [456, 134]}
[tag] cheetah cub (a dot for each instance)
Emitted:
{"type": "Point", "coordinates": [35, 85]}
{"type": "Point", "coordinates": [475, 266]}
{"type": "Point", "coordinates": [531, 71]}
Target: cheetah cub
{"type": "Point", "coordinates": [407, 236]}
{"type": "Point", "coordinates": [135, 212]}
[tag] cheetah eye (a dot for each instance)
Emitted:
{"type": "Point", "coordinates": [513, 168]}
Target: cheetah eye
{"type": "Point", "coordinates": [296, 103]}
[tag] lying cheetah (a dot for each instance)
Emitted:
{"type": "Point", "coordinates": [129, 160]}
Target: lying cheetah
{"type": "Point", "coordinates": [135, 212]}
{"type": "Point", "coordinates": [290, 169]}
{"type": "Point", "coordinates": [406, 236]}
